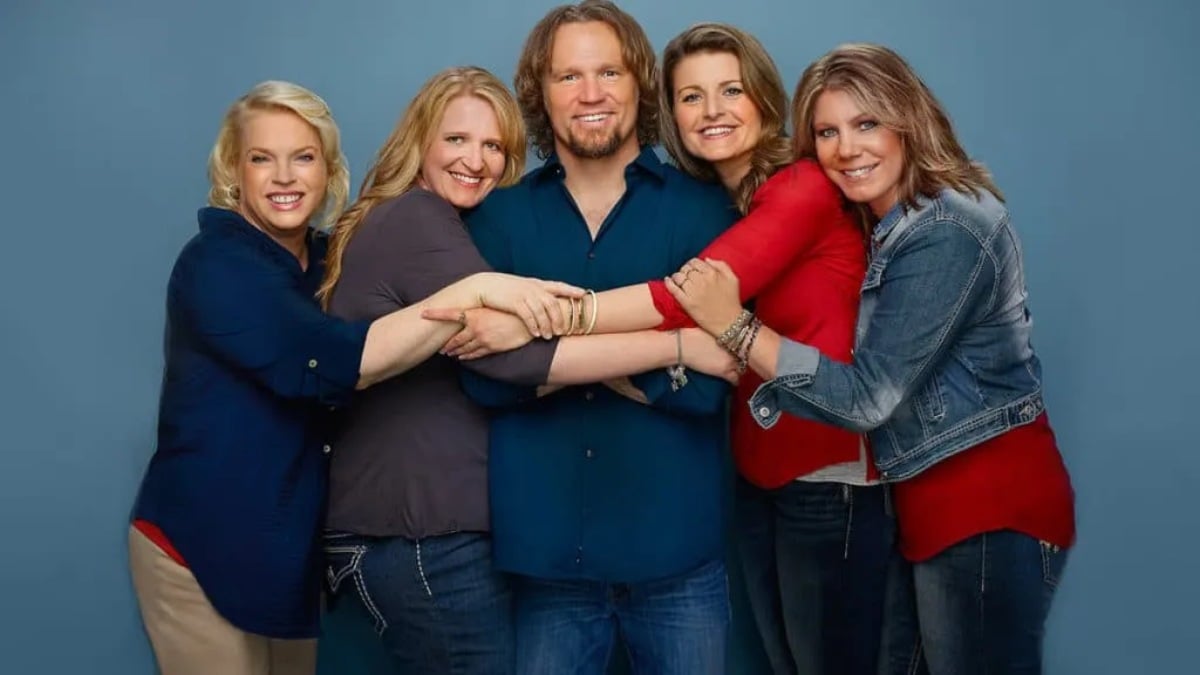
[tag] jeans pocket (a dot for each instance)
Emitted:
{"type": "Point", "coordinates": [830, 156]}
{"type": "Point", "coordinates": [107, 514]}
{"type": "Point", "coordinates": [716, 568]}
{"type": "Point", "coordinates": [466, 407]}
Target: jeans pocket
{"type": "Point", "coordinates": [343, 561]}
{"type": "Point", "coordinates": [1054, 559]}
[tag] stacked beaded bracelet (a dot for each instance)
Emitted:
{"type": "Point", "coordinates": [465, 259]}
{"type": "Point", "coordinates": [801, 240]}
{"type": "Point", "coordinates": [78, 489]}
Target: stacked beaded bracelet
{"type": "Point", "coordinates": [739, 338]}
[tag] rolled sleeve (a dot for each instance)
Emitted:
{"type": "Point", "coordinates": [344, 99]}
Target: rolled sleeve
{"type": "Point", "coordinates": [797, 366]}
{"type": "Point", "coordinates": [703, 394]}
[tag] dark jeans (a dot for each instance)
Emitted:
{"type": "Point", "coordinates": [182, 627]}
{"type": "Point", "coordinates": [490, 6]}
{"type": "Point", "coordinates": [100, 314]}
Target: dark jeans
{"type": "Point", "coordinates": [437, 604]}
{"type": "Point", "coordinates": [980, 606]}
{"type": "Point", "coordinates": [674, 626]}
{"type": "Point", "coordinates": [815, 559]}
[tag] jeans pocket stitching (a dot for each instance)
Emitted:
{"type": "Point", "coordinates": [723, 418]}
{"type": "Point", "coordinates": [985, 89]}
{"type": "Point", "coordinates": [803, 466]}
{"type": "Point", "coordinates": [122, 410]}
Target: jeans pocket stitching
{"type": "Point", "coordinates": [335, 578]}
{"type": "Point", "coordinates": [1050, 553]}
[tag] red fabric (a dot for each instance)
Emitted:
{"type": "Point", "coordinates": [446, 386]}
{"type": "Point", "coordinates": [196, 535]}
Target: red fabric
{"type": "Point", "coordinates": [1015, 481]}
{"type": "Point", "coordinates": [154, 534]}
{"type": "Point", "coordinates": [802, 258]}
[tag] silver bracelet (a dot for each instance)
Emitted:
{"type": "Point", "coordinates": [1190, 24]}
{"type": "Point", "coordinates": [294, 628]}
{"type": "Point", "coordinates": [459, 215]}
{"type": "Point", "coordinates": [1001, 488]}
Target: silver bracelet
{"type": "Point", "coordinates": [677, 372]}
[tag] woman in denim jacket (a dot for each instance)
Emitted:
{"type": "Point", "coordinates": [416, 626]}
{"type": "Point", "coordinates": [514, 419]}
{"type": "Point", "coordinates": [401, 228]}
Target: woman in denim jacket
{"type": "Point", "coordinates": [944, 378]}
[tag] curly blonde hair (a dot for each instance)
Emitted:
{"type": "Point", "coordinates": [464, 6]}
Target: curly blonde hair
{"type": "Point", "coordinates": [223, 175]}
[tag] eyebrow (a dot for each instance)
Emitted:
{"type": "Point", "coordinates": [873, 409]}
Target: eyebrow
{"type": "Point", "coordinates": [307, 148]}
{"type": "Point", "coordinates": [719, 84]}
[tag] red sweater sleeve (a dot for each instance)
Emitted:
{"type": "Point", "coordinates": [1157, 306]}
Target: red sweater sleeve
{"type": "Point", "coordinates": [787, 216]}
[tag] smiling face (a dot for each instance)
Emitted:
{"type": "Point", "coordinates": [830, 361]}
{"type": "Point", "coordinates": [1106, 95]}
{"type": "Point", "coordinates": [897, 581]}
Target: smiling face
{"type": "Point", "coordinates": [466, 157]}
{"type": "Point", "coordinates": [591, 96]}
{"type": "Point", "coordinates": [282, 176]}
{"type": "Point", "coordinates": [717, 120]}
{"type": "Point", "coordinates": [861, 156]}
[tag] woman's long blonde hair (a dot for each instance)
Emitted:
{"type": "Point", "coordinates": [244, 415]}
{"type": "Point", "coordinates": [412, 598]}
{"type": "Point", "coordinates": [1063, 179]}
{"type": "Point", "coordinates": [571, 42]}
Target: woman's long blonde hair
{"type": "Point", "coordinates": [762, 83]}
{"type": "Point", "coordinates": [397, 166]}
{"type": "Point", "coordinates": [224, 159]}
{"type": "Point", "coordinates": [887, 88]}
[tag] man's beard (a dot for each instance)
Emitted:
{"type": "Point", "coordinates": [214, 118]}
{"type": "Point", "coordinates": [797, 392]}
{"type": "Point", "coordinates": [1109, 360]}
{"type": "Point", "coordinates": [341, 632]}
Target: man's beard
{"type": "Point", "coordinates": [594, 146]}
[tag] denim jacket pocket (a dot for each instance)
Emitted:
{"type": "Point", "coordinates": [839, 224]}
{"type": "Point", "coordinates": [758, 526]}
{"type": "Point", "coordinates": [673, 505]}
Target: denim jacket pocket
{"type": "Point", "coordinates": [931, 406]}
{"type": "Point", "coordinates": [1054, 559]}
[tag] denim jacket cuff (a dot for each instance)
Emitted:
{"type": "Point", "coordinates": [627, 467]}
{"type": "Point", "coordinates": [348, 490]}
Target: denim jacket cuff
{"type": "Point", "coordinates": [796, 365]}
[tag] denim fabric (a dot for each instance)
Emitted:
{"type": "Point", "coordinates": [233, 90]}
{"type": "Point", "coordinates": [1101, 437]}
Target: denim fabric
{"type": "Point", "coordinates": [943, 359]}
{"type": "Point", "coordinates": [815, 558]}
{"type": "Point", "coordinates": [978, 607]}
{"type": "Point", "coordinates": [673, 626]}
{"type": "Point", "coordinates": [437, 603]}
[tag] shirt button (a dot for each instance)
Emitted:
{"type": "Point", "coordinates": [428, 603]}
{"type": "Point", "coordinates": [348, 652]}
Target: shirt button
{"type": "Point", "coordinates": [764, 411]}
{"type": "Point", "coordinates": [589, 454]}
{"type": "Point", "coordinates": [312, 363]}
{"type": "Point", "coordinates": [588, 396]}
{"type": "Point", "coordinates": [591, 255]}
{"type": "Point", "coordinates": [326, 449]}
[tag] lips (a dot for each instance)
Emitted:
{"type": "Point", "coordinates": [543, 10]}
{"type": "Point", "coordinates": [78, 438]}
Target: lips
{"type": "Point", "coordinates": [859, 173]}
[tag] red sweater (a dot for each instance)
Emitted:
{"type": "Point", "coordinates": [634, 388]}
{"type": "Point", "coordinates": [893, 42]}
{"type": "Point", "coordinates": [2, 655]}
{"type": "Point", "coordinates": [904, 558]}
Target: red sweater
{"type": "Point", "coordinates": [802, 258]}
{"type": "Point", "coordinates": [1015, 481]}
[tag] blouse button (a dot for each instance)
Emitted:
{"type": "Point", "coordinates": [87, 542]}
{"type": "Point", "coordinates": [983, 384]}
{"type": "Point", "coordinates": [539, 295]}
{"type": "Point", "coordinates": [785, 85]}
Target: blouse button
{"type": "Point", "coordinates": [326, 449]}
{"type": "Point", "coordinates": [312, 363]}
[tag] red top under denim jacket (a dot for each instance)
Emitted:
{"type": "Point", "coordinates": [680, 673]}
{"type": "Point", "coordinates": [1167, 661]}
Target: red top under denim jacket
{"type": "Point", "coordinates": [801, 258]}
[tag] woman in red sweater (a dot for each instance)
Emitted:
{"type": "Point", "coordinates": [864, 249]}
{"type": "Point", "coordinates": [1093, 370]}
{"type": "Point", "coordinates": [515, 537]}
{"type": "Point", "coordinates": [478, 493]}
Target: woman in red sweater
{"type": "Point", "coordinates": [813, 527]}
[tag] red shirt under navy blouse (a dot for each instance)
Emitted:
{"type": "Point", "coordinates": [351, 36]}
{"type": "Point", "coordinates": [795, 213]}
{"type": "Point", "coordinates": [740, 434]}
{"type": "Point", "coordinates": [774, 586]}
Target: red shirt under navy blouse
{"type": "Point", "coordinates": [237, 482]}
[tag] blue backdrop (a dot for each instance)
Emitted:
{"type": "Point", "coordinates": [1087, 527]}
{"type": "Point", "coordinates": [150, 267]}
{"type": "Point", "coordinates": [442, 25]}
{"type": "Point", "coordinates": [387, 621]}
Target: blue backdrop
{"type": "Point", "coordinates": [1086, 113]}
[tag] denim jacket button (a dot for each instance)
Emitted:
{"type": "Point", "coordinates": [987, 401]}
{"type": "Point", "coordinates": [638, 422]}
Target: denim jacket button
{"type": "Point", "coordinates": [764, 411]}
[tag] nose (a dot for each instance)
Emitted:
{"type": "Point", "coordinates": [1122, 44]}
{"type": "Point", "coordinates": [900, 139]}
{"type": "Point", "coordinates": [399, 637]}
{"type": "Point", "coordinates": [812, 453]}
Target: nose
{"type": "Point", "coordinates": [472, 157]}
{"type": "Point", "coordinates": [593, 91]}
{"type": "Point", "coordinates": [712, 107]}
{"type": "Point", "coordinates": [847, 146]}
{"type": "Point", "coordinates": [283, 173]}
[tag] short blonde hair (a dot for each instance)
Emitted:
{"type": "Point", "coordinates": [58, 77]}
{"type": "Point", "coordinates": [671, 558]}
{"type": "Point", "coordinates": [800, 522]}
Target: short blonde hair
{"type": "Point", "coordinates": [398, 163]}
{"type": "Point", "coordinates": [762, 83]}
{"type": "Point", "coordinates": [223, 161]}
{"type": "Point", "coordinates": [886, 87]}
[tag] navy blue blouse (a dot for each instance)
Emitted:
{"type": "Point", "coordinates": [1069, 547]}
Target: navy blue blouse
{"type": "Point", "coordinates": [237, 482]}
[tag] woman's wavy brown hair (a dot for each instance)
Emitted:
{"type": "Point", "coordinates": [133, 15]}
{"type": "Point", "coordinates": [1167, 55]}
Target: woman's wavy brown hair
{"type": "Point", "coordinates": [886, 87]}
{"type": "Point", "coordinates": [534, 66]}
{"type": "Point", "coordinates": [761, 82]}
{"type": "Point", "coordinates": [397, 166]}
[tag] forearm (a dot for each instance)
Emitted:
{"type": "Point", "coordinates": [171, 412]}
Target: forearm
{"type": "Point", "coordinates": [620, 310]}
{"type": "Point", "coordinates": [399, 341]}
{"type": "Point", "coordinates": [595, 358]}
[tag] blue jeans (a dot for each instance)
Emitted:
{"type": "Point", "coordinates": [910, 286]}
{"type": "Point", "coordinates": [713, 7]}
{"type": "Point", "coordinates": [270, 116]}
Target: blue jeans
{"type": "Point", "coordinates": [980, 606]}
{"type": "Point", "coordinates": [815, 559]}
{"type": "Point", "coordinates": [673, 626]}
{"type": "Point", "coordinates": [437, 604]}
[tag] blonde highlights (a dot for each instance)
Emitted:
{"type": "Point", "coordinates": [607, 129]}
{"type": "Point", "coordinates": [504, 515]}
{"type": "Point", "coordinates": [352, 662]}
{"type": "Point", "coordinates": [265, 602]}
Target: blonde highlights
{"type": "Point", "coordinates": [760, 81]}
{"type": "Point", "coordinates": [534, 65]}
{"type": "Point", "coordinates": [397, 165]}
{"type": "Point", "coordinates": [275, 95]}
{"type": "Point", "coordinates": [886, 87]}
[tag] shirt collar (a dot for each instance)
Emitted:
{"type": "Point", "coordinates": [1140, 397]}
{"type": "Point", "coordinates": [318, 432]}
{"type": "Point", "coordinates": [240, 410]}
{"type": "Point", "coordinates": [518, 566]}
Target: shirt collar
{"type": "Point", "coordinates": [212, 218]}
{"type": "Point", "coordinates": [646, 162]}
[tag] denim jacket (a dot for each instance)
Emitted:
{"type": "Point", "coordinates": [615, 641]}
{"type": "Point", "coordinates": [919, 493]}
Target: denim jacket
{"type": "Point", "coordinates": [943, 359]}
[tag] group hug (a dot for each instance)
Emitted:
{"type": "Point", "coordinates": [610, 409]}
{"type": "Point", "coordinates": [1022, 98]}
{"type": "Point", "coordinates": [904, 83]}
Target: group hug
{"type": "Point", "coordinates": [494, 408]}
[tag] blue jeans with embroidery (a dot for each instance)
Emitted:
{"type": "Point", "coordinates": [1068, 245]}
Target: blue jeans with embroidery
{"type": "Point", "coordinates": [673, 626]}
{"type": "Point", "coordinates": [437, 603]}
{"type": "Point", "coordinates": [979, 606]}
{"type": "Point", "coordinates": [815, 560]}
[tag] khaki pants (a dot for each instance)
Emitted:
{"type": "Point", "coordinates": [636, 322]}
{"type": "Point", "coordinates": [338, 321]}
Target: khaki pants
{"type": "Point", "coordinates": [189, 636]}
